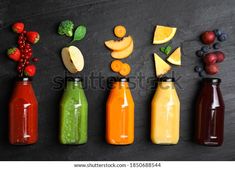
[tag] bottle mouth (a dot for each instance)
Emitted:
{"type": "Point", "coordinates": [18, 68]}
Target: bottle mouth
{"type": "Point", "coordinates": [23, 79]}
{"type": "Point", "coordinates": [166, 79]}
{"type": "Point", "coordinates": [122, 79]}
{"type": "Point", "coordinates": [74, 79]}
{"type": "Point", "coordinates": [212, 80]}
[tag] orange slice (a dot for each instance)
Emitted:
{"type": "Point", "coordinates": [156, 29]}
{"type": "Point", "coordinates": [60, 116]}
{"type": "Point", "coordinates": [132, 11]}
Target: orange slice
{"type": "Point", "coordinates": [175, 57]}
{"type": "Point", "coordinates": [163, 34]}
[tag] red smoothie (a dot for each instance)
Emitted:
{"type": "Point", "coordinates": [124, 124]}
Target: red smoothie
{"type": "Point", "coordinates": [210, 114]}
{"type": "Point", "coordinates": [23, 114]}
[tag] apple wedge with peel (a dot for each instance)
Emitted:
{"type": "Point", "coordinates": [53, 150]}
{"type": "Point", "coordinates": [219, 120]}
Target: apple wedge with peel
{"type": "Point", "coordinates": [76, 57]}
{"type": "Point", "coordinates": [123, 53]}
{"type": "Point", "coordinates": [73, 59]}
{"type": "Point", "coordinates": [161, 66]}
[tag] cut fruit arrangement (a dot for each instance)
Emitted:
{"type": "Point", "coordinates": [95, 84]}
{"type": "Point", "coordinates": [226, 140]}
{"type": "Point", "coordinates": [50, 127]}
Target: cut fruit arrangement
{"type": "Point", "coordinates": [71, 56]}
{"type": "Point", "coordinates": [162, 35]}
{"type": "Point", "coordinates": [121, 49]}
{"type": "Point", "coordinates": [23, 54]}
{"type": "Point", "coordinates": [210, 53]}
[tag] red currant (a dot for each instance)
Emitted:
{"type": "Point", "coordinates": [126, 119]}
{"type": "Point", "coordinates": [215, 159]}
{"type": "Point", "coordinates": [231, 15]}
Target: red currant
{"type": "Point", "coordinates": [35, 59]}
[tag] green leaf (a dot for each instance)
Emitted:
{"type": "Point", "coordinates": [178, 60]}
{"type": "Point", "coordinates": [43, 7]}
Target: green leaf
{"type": "Point", "coordinates": [162, 49]}
{"type": "Point", "coordinates": [79, 33]}
{"type": "Point", "coordinates": [168, 50]}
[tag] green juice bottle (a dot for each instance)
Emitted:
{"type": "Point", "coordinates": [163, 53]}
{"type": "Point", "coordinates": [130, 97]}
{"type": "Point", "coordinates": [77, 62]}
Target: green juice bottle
{"type": "Point", "coordinates": [73, 113]}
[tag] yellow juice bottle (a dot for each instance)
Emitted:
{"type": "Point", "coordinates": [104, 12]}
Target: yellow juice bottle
{"type": "Point", "coordinates": [165, 113]}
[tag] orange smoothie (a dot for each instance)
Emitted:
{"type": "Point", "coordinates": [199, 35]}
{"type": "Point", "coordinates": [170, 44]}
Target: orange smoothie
{"type": "Point", "coordinates": [120, 114]}
{"type": "Point", "coordinates": [165, 113]}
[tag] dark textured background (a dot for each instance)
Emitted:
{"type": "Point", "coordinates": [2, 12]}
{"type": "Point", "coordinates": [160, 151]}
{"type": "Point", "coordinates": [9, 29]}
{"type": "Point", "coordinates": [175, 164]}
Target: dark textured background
{"type": "Point", "coordinates": [100, 16]}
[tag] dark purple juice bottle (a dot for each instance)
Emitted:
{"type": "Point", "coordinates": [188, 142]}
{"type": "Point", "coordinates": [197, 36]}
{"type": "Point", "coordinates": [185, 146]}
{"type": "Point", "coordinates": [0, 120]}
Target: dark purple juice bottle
{"type": "Point", "coordinates": [210, 113]}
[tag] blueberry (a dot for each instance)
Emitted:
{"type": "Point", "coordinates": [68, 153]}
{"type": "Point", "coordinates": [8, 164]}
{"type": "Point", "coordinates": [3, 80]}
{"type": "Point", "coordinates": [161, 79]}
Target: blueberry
{"type": "Point", "coordinates": [217, 45]}
{"type": "Point", "coordinates": [205, 49]}
{"type": "Point", "coordinates": [198, 69]}
{"type": "Point", "coordinates": [217, 32]}
{"type": "Point", "coordinates": [199, 53]}
{"type": "Point", "coordinates": [223, 37]}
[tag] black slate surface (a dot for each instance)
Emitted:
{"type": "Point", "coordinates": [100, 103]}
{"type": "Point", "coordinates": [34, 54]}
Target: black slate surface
{"type": "Point", "coordinates": [100, 16]}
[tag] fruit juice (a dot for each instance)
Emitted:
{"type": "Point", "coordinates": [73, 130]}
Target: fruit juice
{"type": "Point", "coordinates": [120, 114]}
{"type": "Point", "coordinates": [210, 114]}
{"type": "Point", "coordinates": [73, 112]}
{"type": "Point", "coordinates": [165, 113]}
{"type": "Point", "coordinates": [23, 114]}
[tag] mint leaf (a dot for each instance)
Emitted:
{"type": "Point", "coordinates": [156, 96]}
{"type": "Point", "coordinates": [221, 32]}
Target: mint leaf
{"type": "Point", "coordinates": [162, 49]}
{"type": "Point", "coordinates": [79, 33]}
{"type": "Point", "coordinates": [168, 50]}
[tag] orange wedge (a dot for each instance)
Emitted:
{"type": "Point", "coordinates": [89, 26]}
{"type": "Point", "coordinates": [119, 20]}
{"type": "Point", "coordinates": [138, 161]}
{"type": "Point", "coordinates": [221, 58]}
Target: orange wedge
{"type": "Point", "coordinates": [163, 34]}
{"type": "Point", "coordinates": [175, 57]}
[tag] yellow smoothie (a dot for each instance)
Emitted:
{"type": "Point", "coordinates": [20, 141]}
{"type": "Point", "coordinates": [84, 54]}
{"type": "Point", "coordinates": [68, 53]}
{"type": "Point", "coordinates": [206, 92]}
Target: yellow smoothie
{"type": "Point", "coordinates": [165, 113]}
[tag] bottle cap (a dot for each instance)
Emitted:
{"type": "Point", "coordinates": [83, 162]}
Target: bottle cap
{"type": "Point", "coordinates": [74, 79]}
{"type": "Point", "coordinates": [23, 79]}
{"type": "Point", "coordinates": [166, 79]}
{"type": "Point", "coordinates": [122, 79]}
{"type": "Point", "coordinates": [212, 80]}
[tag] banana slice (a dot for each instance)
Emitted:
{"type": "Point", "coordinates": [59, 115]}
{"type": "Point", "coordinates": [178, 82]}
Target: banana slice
{"type": "Point", "coordinates": [73, 59]}
{"type": "Point", "coordinates": [76, 57]}
{"type": "Point", "coordinates": [67, 61]}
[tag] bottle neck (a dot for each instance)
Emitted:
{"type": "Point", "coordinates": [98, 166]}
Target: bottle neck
{"type": "Point", "coordinates": [73, 85]}
{"type": "Point", "coordinates": [166, 85]}
{"type": "Point", "coordinates": [120, 85]}
{"type": "Point", "coordinates": [25, 83]}
{"type": "Point", "coordinates": [210, 84]}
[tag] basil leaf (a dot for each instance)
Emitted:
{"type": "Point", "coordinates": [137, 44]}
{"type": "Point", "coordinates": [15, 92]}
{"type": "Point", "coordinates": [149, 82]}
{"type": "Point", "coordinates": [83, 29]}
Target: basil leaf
{"type": "Point", "coordinates": [79, 33]}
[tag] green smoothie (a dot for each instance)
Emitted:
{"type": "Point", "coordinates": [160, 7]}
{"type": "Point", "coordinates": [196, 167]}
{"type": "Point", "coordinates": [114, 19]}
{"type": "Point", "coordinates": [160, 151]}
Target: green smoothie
{"type": "Point", "coordinates": [73, 114]}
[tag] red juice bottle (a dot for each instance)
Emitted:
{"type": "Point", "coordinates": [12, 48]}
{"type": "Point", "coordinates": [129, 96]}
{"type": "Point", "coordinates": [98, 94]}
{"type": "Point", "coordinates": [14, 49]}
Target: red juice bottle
{"type": "Point", "coordinates": [210, 114]}
{"type": "Point", "coordinates": [23, 114]}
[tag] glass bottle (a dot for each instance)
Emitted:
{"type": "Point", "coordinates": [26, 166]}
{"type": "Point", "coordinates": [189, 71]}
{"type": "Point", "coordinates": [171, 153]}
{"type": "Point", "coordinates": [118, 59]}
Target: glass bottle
{"type": "Point", "coordinates": [23, 114]}
{"type": "Point", "coordinates": [120, 114]}
{"type": "Point", "coordinates": [210, 113]}
{"type": "Point", "coordinates": [165, 113]}
{"type": "Point", "coordinates": [73, 113]}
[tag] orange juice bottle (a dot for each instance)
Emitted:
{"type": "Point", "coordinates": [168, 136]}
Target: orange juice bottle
{"type": "Point", "coordinates": [165, 113]}
{"type": "Point", "coordinates": [120, 114]}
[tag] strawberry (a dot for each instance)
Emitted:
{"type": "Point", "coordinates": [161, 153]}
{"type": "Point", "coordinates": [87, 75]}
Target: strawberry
{"type": "Point", "coordinates": [30, 70]}
{"type": "Point", "coordinates": [18, 27]}
{"type": "Point", "coordinates": [14, 53]}
{"type": "Point", "coordinates": [33, 37]}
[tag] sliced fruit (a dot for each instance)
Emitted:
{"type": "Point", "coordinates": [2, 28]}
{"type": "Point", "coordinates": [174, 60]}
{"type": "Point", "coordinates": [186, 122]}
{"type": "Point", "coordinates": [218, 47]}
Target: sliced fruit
{"type": "Point", "coordinates": [119, 31]}
{"type": "Point", "coordinates": [125, 70]}
{"type": "Point", "coordinates": [67, 61]}
{"type": "Point", "coordinates": [76, 57]}
{"type": "Point", "coordinates": [161, 66]}
{"type": "Point", "coordinates": [123, 53]}
{"type": "Point", "coordinates": [163, 34]}
{"type": "Point", "coordinates": [175, 57]}
{"type": "Point", "coordinates": [119, 45]}
{"type": "Point", "coordinates": [116, 65]}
